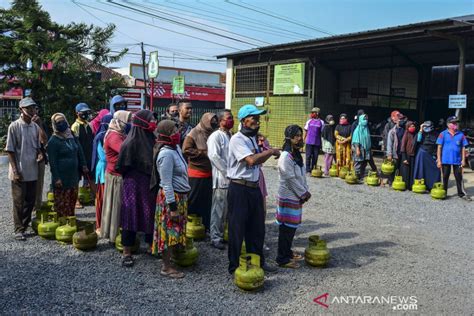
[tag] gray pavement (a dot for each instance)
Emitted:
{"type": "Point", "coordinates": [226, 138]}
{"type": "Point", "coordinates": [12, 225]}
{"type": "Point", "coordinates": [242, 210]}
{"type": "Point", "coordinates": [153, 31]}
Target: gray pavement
{"type": "Point", "coordinates": [385, 246]}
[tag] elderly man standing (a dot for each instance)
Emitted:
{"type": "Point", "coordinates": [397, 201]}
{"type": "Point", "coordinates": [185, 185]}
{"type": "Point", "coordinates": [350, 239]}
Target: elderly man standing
{"type": "Point", "coordinates": [23, 147]}
{"type": "Point", "coordinates": [245, 201]}
{"type": "Point", "coordinates": [218, 151]}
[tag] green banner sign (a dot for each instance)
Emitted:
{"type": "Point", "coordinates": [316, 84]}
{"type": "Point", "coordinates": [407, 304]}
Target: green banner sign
{"type": "Point", "coordinates": [288, 79]}
{"type": "Point", "coordinates": [178, 85]}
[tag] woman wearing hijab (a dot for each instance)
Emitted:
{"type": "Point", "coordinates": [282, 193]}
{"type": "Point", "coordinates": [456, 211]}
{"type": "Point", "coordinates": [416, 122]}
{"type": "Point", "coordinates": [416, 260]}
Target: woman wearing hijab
{"type": "Point", "coordinates": [170, 175]}
{"type": "Point", "coordinates": [66, 160]}
{"type": "Point", "coordinates": [408, 151]}
{"type": "Point", "coordinates": [361, 146]}
{"type": "Point", "coordinates": [200, 168]}
{"type": "Point", "coordinates": [113, 140]}
{"type": "Point", "coordinates": [425, 159]}
{"type": "Point", "coordinates": [99, 163]}
{"type": "Point", "coordinates": [135, 163]}
{"type": "Point", "coordinates": [329, 140]}
{"type": "Point", "coordinates": [96, 122]}
{"type": "Point", "coordinates": [292, 194]}
{"type": "Point", "coordinates": [343, 142]}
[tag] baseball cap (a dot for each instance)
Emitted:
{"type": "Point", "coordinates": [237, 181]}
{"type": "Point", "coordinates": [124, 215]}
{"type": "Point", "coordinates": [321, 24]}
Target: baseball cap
{"type": "Point", "coordinates": [428, 126]}
{"type": "Point", "coordinates": [316, 110]}
{"type": "Point", "coordinates": [394, 115]}
{"type": "Point", "coordinates": [26, 102]}
{"type": "Point", "coordinates": [82, 107]}
{"type": "Point", "coordinates": [248, 110]}
{"type": "Point", "coordinates": [452, 119]}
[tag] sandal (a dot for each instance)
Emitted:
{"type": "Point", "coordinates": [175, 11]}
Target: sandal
{"type": "Point", "coordinates": [128, 261]}
{"type": "Point", "coordinates": [297, 256]}
{"type": "Point", "coordinates": [291, 265]}
{"type": "Point", "coordinates": [79, 205]}
{"type": "Point", "coordinates": [173, 274]}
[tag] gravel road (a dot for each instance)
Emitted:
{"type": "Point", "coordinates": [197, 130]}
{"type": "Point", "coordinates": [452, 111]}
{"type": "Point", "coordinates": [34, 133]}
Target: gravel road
{"type": "Point", "coordinates": [384, 245]}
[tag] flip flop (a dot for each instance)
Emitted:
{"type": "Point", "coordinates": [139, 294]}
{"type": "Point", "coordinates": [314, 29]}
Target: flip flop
{"type": "Point", "coordinates": [172, 274]}
{"type": "Point", "coordinates": [128, 261]}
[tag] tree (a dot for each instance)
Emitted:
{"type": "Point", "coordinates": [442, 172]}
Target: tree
{"type": "Point", "coordinates": [28, 34]}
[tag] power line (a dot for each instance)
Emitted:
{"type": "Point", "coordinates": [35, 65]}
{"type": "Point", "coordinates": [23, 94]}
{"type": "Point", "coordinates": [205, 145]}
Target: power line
{"type": "Point", "coordinates": [242, 25]}
{"type": "Point", "coordinates": [190, 26]}
{"type": "Point", "coordinates": [180, 58]}
{"type": "Point", "coordinates": [234, 16]}
{"type": "Point", "coordinates": [283, 18]}
{"type": "Point", "coordinates": [161, 28]}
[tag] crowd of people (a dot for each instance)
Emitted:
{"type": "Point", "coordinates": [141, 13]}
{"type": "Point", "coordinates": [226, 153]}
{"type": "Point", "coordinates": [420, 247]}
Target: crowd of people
{"type": "Point", "coordinates": [149, 173]}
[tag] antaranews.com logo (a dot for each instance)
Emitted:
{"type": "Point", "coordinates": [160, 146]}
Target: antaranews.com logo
{"type": "Point", "coordinates": [397, 303]}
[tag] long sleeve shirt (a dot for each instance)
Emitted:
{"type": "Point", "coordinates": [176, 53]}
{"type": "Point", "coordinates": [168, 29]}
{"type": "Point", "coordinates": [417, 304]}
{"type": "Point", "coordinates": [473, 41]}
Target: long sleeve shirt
{"type": "Point", "coordinates": [65, 159]}
{"type": "Point", "coordinates": [218, 152]}
{"type": "Point", "coordinates": [292, 178]}
{"type": "Point", "coordinates": [173, 172]}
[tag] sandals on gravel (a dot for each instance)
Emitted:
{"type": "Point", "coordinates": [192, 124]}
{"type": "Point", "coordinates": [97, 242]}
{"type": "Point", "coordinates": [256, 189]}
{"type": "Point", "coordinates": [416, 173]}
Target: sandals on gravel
{"type": "Point", "coordinates": [128, 261]}
{"type": "Point", "coordinates": [172, 274]}
{"type": "Point", "coordinates": [297, 256]}
{"type": "Point", "coordinates": [291, 265]}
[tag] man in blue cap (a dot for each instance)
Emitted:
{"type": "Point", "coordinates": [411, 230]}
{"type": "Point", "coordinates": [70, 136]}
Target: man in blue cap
{"type": "Point", "coordinates": [245, 201]}
{"type": "Point", "coordinates": [85, 136]}
{"type": "Point", "coordinates": [117, 103]}
{"type": "Point", "coordinates": [451, 152]}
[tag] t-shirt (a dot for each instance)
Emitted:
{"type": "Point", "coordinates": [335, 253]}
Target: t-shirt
{"type": "Point", "coordinates": [452, 145]}
{"type": "Point", "coordinates": [241, 146]}
{"type": "Point", "coordinates": [313, 128]}
{"type": "Point", "coordinates": [23, 140]}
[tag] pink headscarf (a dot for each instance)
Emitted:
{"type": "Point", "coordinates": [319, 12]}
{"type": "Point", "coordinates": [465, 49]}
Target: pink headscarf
{"type": "Point", "coordinates": [95, 123]}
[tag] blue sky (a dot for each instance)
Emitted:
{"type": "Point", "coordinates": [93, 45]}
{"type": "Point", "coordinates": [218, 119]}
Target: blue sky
{"type": "Point", "coordinates": [231, 19]}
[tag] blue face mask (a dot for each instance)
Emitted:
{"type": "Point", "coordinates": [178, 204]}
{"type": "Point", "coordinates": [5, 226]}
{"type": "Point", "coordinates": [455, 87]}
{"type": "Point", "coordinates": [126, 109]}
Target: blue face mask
{"type": "Point", "coordinates": [61, 126]}
{"type": "Point", "coordinates": [128, 126]}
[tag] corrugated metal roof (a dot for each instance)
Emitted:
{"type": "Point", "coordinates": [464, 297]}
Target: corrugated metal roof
{"type": "Point", "coordinates": [467, 20]}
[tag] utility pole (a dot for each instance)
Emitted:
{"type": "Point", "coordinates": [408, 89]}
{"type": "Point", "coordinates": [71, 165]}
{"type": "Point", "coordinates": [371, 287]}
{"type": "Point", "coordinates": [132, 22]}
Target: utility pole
{"type": "Point", "coordinates": [144, 74]}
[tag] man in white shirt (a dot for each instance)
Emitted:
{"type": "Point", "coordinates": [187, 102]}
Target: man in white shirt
{"type": "Point", "coordinates": [245, 201]}
{"type": "Point", "coordinates": [218, 151]}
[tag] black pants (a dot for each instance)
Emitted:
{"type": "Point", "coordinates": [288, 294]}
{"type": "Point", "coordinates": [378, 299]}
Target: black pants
{"type": "Point", "coordinates": [200, 199]}
{"type": "Point", "coordinates": [129, 236]}
{"type": "Point", "coordinates": [457, 175]}
{"type": "Point", "coordinates": [24, 198]}
{"type": "Point", "coordinates": [246, 220]}
{"type": "Point", "coordinates": [391, 177]}
{"type": "Point", "coordinates": [372, 163]}
{"type": "Point", "coordinates": [285, 241]}
{"type": "Point", "coordinates": [312, 152]}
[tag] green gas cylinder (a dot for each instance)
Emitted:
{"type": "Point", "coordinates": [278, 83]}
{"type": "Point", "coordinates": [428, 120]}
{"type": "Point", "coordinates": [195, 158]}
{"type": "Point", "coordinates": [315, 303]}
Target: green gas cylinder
{"type": "Point", "coordinates": [249, 275]}
{"type": "Point", "coordinates": [343, 172]}
{"type": "Point", "coordinates": [317, 172]}
{"type": "Point", "coordinates": [351, 177]}
{"type": "Point", "coordinates": [372, 179]}
{"type": "Point", "coordinates": [48, 225]}
{"type": "Point", "coordinates": [66, 229]}
{"type": "Point", "coordinates": [195, 228]}
{"type": "Point", "coordinates": [86, 238]}
{"type": "Point", "coordinates": [85, 196]}
{"type": "Point", "coordinates": [187, 256]}
{"type": "Point", "coordinates": [438, 192]}
{"type": "Point", "coordinates": [317, 255]}
{"type": "Point", "coordinates": [37, 219]}
{"type": "Point", "coordinates": [333, 171]}
{"type": "Point", "coordinates": [388, 167]}
{"type": "Point", "coordinates": [419, 186]}
{"type": "Point", "coordinates": [398, 184]}
{"type": "Point", "coordinates": [119, 246]}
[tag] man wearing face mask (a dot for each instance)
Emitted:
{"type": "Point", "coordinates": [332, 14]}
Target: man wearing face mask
{"type": "Point", "coordinates": [218, 152]}
{"type": "Point", "coordinates": [312, 138]}
{"type": "Point", "coordinates": [451, 152]}
{"type": "Point", "coordinates": [23, 148]}
{"type": "Point", "coordinates": [171, 113]}
{"type": "Point", "coordinates": [394, 142]}
{"type": "Point", "coordinates": [83, 132]}
{"type": "Point", "coordinates": [245, 201]}
{"type": "Point", "coordinates": [117, 103]}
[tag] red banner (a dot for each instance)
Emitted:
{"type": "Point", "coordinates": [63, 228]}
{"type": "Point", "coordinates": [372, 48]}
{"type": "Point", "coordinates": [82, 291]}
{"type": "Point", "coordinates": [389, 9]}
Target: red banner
{"type": "Point", "coordinates": [164, 91]}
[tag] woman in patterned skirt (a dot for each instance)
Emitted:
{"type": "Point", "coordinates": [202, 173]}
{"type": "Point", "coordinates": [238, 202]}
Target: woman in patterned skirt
{"type": "Point", "coordinates": [66, 158]}
{"type": "Point", "coordinates": [343, 143]}
{"type": "Point", "coordinates": [292, 193]}
{"type": "Point", "coordinates": [135, 163]}
{"type": "Point", "coordinates": [171, 177]}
